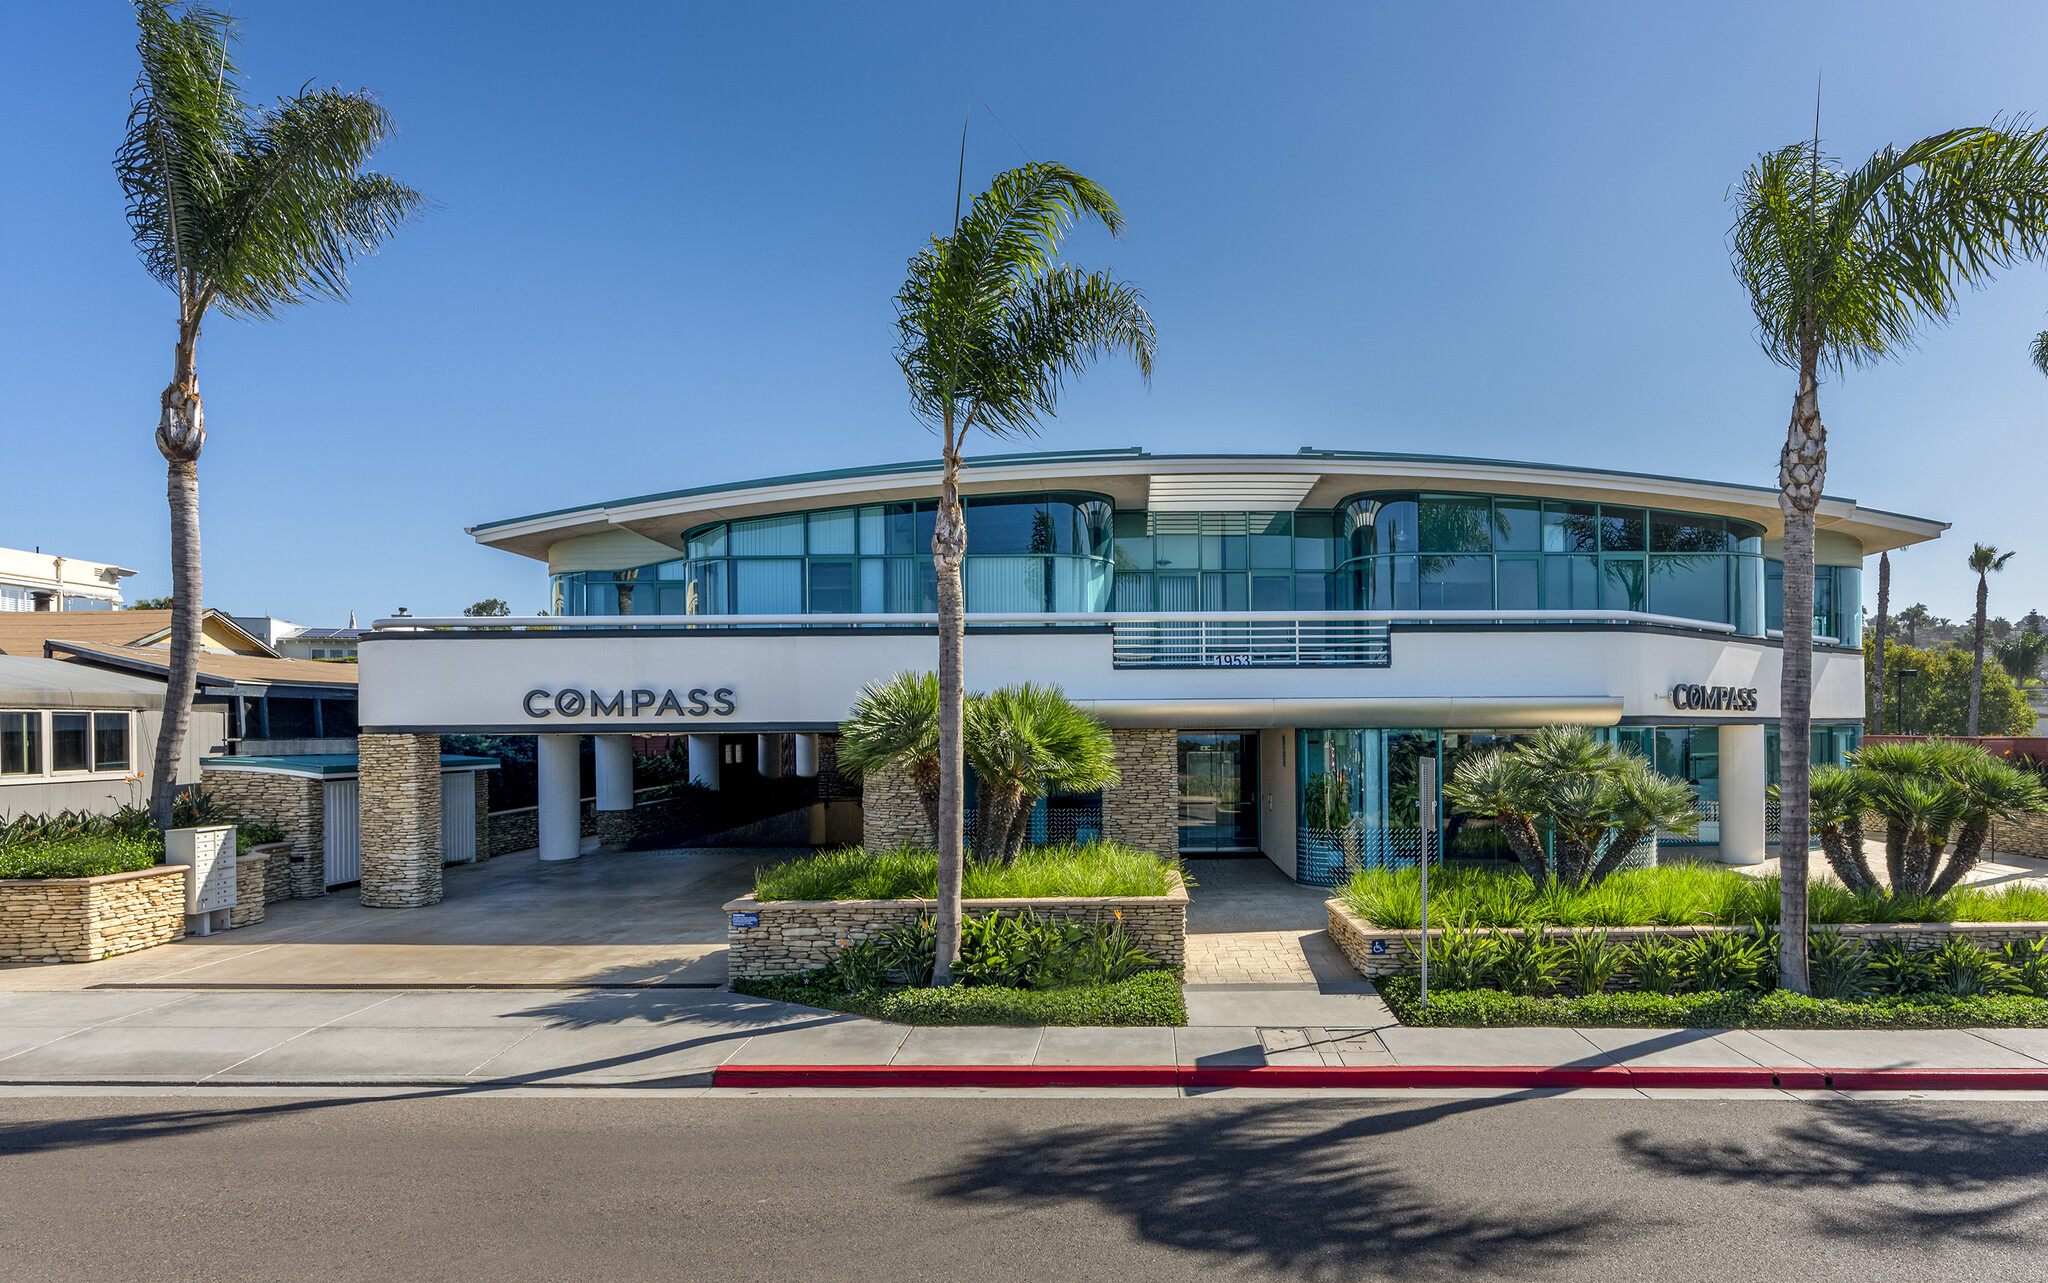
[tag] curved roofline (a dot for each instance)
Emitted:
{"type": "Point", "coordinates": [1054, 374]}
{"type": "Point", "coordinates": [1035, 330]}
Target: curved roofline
{"type": "Point", "coordinates": [652, 514]}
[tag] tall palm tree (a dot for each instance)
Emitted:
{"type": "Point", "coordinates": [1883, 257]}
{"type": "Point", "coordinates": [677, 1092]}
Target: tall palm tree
{"type": "Point", "coordinates": [2021, 654]}
{"type": "Point", "coordinates": [1984, 559]}
{"type": "Point", "coordinates": [990, 325]}
{"type": "Point", "coordinates": [1912, 619]}
{"type": "Point", "coordinates": [895, 725]}
{"type": "Point", "coordinates": [1884, 608]}
{"type": "Point", "coordinates": [1843, 267]}
{"type": "Point", "coordinates": [247, 209]}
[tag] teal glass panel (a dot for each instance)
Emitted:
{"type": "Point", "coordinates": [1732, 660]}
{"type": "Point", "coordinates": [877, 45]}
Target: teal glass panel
{"type": "Point", "coordinates": [1749, 595]}
{"type": "Point", "coordinates": [1622, 586]}
{"type": "Point", "coordinates": [1690, 587]}
{"type": "Point", "coordinates": [1621, 529]}
{"type": "Point", "coordinates": [769, 587]}
{"type": "Point", "coordinates": [1223, 552]}
{"type": "Point", "coordinates": [1315, 541]}
{"type": "Point", "coordinates": [1571, 583]}
{"type": "Point", "coordinates": [1005, 583]}
{"type": "Point", "coordinates": [835, 532]}
{"type": "Point", "coordinates": [1224, 591]}
{"type": "Point", "coordinates": [873, 585]}
{"type": "Point", "coordinates": [833, 588]}
{"type": "Point", "coordinates": [1848, 619]}
{"type": "Point", "coordinates": [1517, 525]}
{"type": "Point", "coordinates": [1178, 592]}
{"type": "Point", "coordinates": [1314, 592]}
{"type": "Point", "coordinates": [779, 536]}
{"type": "Point", "coordinates": [1571, 527]}
{"type": "Point", "coordinates": [874, 531]}
{"type": "Point", "coordinates": [1272, 542]}
{"type": "Point", "coordinates": [1380, 525]}
{"type": "Point", "coordinates": [1459, 524]}
{"type": "Point", "coordinates": [1456, 583]}
{"type": "Point", "coordinates": [708, 542]}
{"type": "Point", "coordinates": [1080, 583]}
{"type": "Point", "coordinates": [1517, 584]}
{"type": "Point", "coordinates": [672, 570]}
{"type": "Point", "coordinates": [1133, 553]}
{"type": "Point", "coordinates": [1177, 552]}
{"type": "Point", "coordinates": [1272, 592]}
{"type": "Point", "coordinates": [1678, 532]}
{"type": "Point", "coordinates": [1133, 592]}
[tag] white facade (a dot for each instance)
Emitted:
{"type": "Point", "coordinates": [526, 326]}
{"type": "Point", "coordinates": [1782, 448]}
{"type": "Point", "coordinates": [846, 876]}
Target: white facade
{"type": "Point", "coordinates": [44, 581]}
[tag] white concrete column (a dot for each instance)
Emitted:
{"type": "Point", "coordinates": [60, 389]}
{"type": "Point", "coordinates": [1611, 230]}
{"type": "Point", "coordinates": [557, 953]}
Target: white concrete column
{"type": "Point", "coordinates": [807, 756]}
{"type": "Point", "coordinates": [615, 772]}
{"type": "Point", "coordinates": [1742, 795]}
{"type": "Point", "coordinates": [561, 797]}
{"type": "Point", "coordinates": [704, 760]}
{"type": "Point", "coordinates": [768, 756]}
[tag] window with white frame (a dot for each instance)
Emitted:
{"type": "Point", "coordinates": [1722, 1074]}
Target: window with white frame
{"type": "Point", "coordinates": [35, 743]}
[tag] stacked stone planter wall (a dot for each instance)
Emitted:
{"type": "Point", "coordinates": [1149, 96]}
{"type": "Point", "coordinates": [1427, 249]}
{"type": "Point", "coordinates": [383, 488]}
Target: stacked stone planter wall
{"type": "Point", "coordinates": [277, 870]}
{"type": "Point", "coordinates": [1378, 952]}
{"type": "Point", "coordinates": [800, 935]}
{"type": "Point", "coordinates": [2005, 839]}
{"type": "Point", "coordinates": [294, 803]}
{"type": "Point", "coordinates": [85, 919]}
{"type": "Point", "coordinates": [252, 878]}
{"type": "Point", "coordinates": [1142, 809]}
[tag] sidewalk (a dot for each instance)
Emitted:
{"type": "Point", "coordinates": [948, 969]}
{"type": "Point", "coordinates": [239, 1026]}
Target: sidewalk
{"type": "Point", "coordinates": [681, 1038]}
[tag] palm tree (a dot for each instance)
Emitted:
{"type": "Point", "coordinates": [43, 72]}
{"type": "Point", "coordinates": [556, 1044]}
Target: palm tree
{"type": "Point", "coordinates": [1884, 606]}
{"type": "Point", "coordinates": [895, 725]}
{"type": "Point", "coordinates": [1598, 799]}
{"type": "Point", "coordinates": [1842, 267]}
{"type": "Point", "coordinates": [1024, 741]}
{"type": "Point", "coordinates": [990, 325]}
{"type": "Point", "coordinates": [1983, 559]}
{"type": "Point", "coordinates": [1912, 619]}
{"type": "Point", "coordinates": [248, 210]}
{"type": "Point", "coordinates": [2020, 655]}
{"type": "Point", "coordinates": [1839, 803]}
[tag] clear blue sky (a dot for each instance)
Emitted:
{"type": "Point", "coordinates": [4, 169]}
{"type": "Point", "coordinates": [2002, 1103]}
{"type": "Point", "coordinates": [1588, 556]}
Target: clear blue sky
{"type": "Point", "coordinates": [667, 237]}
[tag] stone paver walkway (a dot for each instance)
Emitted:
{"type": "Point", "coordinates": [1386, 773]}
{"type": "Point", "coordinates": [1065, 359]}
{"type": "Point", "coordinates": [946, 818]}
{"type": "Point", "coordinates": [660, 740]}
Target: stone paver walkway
{"type": "Point", "coordinates": [1248, 924]}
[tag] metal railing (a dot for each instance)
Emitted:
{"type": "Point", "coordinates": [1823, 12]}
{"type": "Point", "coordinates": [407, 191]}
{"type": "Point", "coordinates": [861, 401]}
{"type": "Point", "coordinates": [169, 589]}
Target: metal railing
{"type": "Point", "coordinates": [1085, 619]}
{"type": "Point", "coordinates": [1252, 643]}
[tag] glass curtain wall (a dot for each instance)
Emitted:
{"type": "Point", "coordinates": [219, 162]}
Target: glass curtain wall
{"type": "Point", "coordinates": [1223, 561]}
{"type": "Point", "coordinates": [1837, 602]}
{"type": "Point", "coordinates": [1046, 552]}
{"type": "Point", "coordinates": [1689, 753]}
{"type": "Point", "coordinates": [1419, 551]}
{"type": "Point", "coordinates": [1359, 798]}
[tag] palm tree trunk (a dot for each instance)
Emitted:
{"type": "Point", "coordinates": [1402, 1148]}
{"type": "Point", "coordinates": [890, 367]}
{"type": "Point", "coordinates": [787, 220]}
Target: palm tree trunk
{"type": "Point", "coordinates": [1969, 846]}
{"type": "Point", "coordinates": [995, 813]}
{"type": "Point", "coordinates": [1884, 607]}
{"type": "Point", "coordinates": [949, 550]}
{"type": "Point", "coordinates": [924, 775]}
{"type": "Point", "coordinates": [180, 435]}
{"type": "Point", "coordinates": [1977, 662]}
{"type": "Point", "coordinates": [1020, 828]}
{"type": "Point", "coordinates": [1802, 470]}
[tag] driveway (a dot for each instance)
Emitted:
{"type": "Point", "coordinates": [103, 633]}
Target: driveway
{"type": "Point", "coordinates": [630, 918]}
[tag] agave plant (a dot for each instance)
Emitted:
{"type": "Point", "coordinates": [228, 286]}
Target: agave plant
{"type": "Point", "coordinates": [1897, 969]}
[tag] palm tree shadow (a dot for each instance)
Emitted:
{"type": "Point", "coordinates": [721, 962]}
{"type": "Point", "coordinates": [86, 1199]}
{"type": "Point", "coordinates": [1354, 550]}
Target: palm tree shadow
{"type": "Point", "coordinates": [1909, 1173]}
{"type": "Point", "coordinates": [1310, 1189]}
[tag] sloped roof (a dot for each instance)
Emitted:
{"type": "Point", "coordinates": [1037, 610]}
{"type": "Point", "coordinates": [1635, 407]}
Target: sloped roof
{"type": "Point", "coordinates": [214, 669]}
{"type": "Point", "coordinates": [27, 682]}
{"type": "Point", "coordinates": [23, 632]}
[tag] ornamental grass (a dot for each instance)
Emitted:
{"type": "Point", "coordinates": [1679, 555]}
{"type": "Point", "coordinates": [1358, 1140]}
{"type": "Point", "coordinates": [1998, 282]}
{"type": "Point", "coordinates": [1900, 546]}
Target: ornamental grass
{"type": "Point", "coordinates": [1671, 896]}
{"type": "Point", "coordinates": [907, 873]}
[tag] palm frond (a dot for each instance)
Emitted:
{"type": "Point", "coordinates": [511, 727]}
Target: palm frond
{"type": "Point", "coordinates": [2039, 352]}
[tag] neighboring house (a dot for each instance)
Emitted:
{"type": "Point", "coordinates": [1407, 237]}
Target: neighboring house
{"type": "Point", "coordinates": [31, 581]}
{"type": "Point", "coordinates": [74, 738]}
{"type": "Point", "coordinates": [296, 641]}
{"type": "Point", "coordinates": [265, 703]}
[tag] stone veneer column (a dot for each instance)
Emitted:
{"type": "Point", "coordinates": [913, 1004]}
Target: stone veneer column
{"type": "Point", "coordinates": [1143, 809]}
{"type": "Point", "coordinates": [399, 804]}
{"type": "Point", "coordinates": [891, 814]}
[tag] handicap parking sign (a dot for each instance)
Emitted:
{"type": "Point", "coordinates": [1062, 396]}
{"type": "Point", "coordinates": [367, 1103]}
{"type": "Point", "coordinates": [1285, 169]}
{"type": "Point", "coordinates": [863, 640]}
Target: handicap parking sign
{"type": "Point", "coordinates": [1378, 946]}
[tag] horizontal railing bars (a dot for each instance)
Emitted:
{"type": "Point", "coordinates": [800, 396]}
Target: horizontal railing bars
{"type": "Point", "coordinates": [927, 619]}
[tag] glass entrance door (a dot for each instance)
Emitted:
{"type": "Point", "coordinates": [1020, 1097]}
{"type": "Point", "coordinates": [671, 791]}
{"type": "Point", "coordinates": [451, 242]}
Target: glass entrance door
{"type": "Point", "coordinates": [1219, 792]}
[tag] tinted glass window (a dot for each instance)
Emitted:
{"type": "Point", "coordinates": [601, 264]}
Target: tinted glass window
{"type": "Point", "coordinates": [769, 536]}
{"type": "Point", "coordinates": [1676, 532]}
{"type": "Point", "coordinates": [21, 749]}
{"type": "Point", "coordinates": [110, 741]}
{"type": "Point", "coordinates": [832, 587]}
{"type": "Point", "coordinates": [1008, 526]}
{"type": "Point", "coordinates": [1621, 529]}
{"type": "Point", "coordinates": [291, 719]}
{"type": "Point", "coordinates": [1692, 587]}
{"type": "Point", "coordinates": [338, 718]}
{"type": "Point", "coordinates": [1622, 587]}
{"type": "Point", "coordinates": [1456, 583]}
{"type": "Point", "coordinates": [1571, 583]}
{"type": "Point", "coordinates": [708, 543]}
{"type": "Point", "coordinates": [1456, 525]}
{"type": "Point", "coordinates": [835, 531]}
{"type": "Point", "coordinates": [1571, 527]}
{"type": "Point", "coordinates": [69, 746]}
{"type": "Point", "coordinates": [1517, 525]}
{"type": "Point", "coordinates": [1517, 583]}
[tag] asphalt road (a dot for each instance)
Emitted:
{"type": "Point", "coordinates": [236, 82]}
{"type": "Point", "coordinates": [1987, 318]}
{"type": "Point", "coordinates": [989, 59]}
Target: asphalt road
{"type": "Point", "coordinates": [476, 1187]}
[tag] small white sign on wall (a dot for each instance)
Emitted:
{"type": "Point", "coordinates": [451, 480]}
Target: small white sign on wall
{"type": "Point", "coordinates": [210, 853]}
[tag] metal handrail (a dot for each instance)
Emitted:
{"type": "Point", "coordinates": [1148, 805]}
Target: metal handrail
{"type": "Point", "coordinates": [553, 623]}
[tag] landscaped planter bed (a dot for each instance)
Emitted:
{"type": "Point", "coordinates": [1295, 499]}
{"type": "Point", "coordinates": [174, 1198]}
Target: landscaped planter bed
{"type": "Point", "coordinates": [1490, 1008]}
{"type": "Point", "coordinates": [1376, 951]}
{"type": "Point", "coordinates": [1151, 999]}
{"type": "Point", "coordinates": [786, 937]}
{"type": "Point", "coordinates": [86, 919]}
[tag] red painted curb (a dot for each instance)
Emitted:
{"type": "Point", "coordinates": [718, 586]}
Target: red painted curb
{"type": "Point", "coordinates": [1508, 1077]}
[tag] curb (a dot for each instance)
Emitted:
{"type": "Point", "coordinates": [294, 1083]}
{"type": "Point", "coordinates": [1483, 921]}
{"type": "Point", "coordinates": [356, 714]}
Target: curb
{"type": "Point", "coordinates": [1511, 1077]}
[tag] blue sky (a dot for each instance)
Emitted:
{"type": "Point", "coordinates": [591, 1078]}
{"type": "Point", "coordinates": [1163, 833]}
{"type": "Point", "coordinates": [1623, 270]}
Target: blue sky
{"type": "Point", "coordinates": [666, 238]}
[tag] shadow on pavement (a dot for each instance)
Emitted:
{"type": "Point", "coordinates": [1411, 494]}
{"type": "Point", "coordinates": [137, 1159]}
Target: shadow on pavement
{"type": "Point", "coordinates": [1909, 1172]}
{"type": "Point", "coordinates": [1309, 1189]}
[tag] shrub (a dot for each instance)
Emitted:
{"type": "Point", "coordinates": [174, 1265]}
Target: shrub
{"type": "Point", "coordinates": [1725, 960]}
{"type": "Point", "coordinates": [1777, 1010]}
{"type": "Point", "coordinates": [905, 873]}
{"type": "Point", "coordinates": [1153, 998]}
{"type": "Point", "coordinates": [1659, 964]}
{"type": "Point", "coordinates": [1837, 966]}
{"type": "Point", "coordinates": [1526, 964]}
{"type": "Point", "coordinates": [77, 857]}
{"type": "Point", "coordinates": [1463, 957]}
{"type": "Point", "coordinates": [1591, 961]}
{"type": "Point", "coordinates": [2026, 967]}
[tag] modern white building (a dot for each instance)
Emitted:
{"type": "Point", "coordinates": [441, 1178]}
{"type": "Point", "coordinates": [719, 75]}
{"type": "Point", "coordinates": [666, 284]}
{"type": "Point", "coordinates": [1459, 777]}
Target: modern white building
{"type": "Point", "coordinates": [42, 581]}
{"type": "Point", "coordinates": [1277, 641]}
{"type": "Point", "coordinates": [297, 641]}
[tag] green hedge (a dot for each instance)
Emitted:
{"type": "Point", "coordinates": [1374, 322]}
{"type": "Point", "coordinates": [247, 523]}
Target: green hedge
{"type": "Point", "coordinates": [1153, 998]}
{"type": "Point", "coordinates": [1480, 1008]}
{"type": "Point", "coordinates": [81, 856]}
